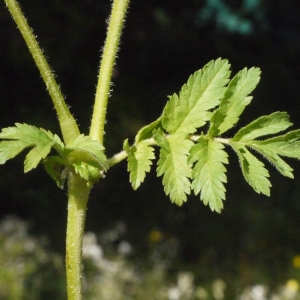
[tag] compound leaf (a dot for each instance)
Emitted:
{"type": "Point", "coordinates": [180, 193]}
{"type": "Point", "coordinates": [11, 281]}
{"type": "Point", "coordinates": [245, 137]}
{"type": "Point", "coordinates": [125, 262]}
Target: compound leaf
{"type": "Point", "coordinates": [234, 101]}
{"type": "Point", "coordinates": [139, 161]}
{"type": "Point", "coordinates": [173, 166]}
{"type": "Point", "coordinates": [189, 110]}
{"type": "Point", "coordinates": [254, 170]}
{"type": "Point", "coordinates": [209, 173]}
{"type": "Point", "coordinates": [23, 136]}
{"type": "Point", "coordinates": [265, 125]}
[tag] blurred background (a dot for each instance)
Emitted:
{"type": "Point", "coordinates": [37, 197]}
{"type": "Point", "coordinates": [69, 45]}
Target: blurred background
{"type": "Point", "coordinates": [139, 245]}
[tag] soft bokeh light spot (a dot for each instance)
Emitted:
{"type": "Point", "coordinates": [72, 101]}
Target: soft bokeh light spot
{"type": "Point", "coordinates": [296, 261]}
{"type": "Point", "coordinates": [155, 236]}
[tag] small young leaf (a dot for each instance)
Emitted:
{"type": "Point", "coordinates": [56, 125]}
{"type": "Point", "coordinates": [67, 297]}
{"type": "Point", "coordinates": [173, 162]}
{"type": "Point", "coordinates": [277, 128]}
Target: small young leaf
{"type": "Point", "coordinates": [94, 150]}
{"type": "Point", "coordinates": [139, 161]}
{"type": "Point", "coordinates": [185, 113]}
{"type": "Point", "coordinates": [86, 165]}
{"type": "Point", "coordinates": [55, 167]}
{"type": "Point", "coordinates": [234, 101]}
{"type": "Point", "coordinates": [209, 173]}
{"type": "Point", "coordinates": [265, 125]}
{"type": "Point", "coordinates": [173, 165]}
{"type": "Point", "coordinates": [253, 169]}
{"type": "Point", "coordinates": [146, 131]}
{"type": "Point", "coordinates": [23, 136]}
{"type": "Point", "coordinates": [87, 158]}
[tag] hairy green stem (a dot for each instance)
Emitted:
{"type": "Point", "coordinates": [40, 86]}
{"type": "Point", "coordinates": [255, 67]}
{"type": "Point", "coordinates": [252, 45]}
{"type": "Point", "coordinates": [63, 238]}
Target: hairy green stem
{"type": "Point", "coordinates": [77, 202]}
{"type": "Point", "coordinates": [222, 140]}
{"type": "Point", "coordinates": [67, 122]}
{"type": "Point", "coordinates": [117, 158]}
{"type": "Point", "coordinates": [110, 50]}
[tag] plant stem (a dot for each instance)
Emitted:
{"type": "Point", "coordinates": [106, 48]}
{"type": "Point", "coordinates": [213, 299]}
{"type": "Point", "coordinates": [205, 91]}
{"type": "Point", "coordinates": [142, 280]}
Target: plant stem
{"type": "Point", "coordinates": [110, 50]}
{"type": "Point", "coordinates": [67, 122]}
{"type": "Point", "coordinates": [77, 201]}
{"type": "Point", "coordinates": [117, 158]}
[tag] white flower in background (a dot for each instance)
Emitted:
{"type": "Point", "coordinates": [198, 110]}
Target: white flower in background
{"type": "Point", "coordinates": [184, 289]}
{"type": "Point", "coordinates": [173, 293]}
{"type": "Point", "coordinates": [201, 293]}
{"type": "Point", "coordinates": [259, 292]}
{"type": "Point", "coordinates": [218, 289]}
{"type": "Point", "coordinates": [185, 284]}
{"type": "Point", "coordinates": [256, 292]}
{"type": "Point", "coordinates": [90, 248]}
{"type": "Point", "coordinates": [124, 248]}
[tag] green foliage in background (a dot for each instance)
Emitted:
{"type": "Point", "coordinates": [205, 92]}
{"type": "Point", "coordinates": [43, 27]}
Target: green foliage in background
{"type": "Point", "coordinates": [28, 269]}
